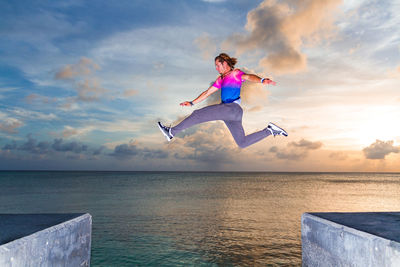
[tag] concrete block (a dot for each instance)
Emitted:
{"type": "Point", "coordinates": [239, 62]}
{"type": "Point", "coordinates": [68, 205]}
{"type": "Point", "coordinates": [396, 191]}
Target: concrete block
{"type": "Point", "coordinates": [45, 239]}
{"type": "Point", "coordinates": [351, 239]}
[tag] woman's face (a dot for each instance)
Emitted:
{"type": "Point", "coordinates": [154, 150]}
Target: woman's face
{"type": "Point", "coordinates": [221, 67]}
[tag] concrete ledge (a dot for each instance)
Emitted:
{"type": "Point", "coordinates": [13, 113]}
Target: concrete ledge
{"type": "Point", "coordinates": [351, 239]}
{"type": "Point", "coordinates": [45, 239]}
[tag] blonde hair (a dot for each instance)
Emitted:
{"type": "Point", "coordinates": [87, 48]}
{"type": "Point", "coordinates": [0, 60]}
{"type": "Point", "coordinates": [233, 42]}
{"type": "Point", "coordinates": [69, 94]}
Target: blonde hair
{"type": "Point", "coordinates": [231, 61]}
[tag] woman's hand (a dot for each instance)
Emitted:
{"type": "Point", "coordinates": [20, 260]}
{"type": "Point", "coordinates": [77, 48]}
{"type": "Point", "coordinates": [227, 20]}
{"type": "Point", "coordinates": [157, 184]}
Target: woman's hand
{"type": "Point", "coordinates": [186, 103]}
{"type": "Point", "coordinates": [268, 81]}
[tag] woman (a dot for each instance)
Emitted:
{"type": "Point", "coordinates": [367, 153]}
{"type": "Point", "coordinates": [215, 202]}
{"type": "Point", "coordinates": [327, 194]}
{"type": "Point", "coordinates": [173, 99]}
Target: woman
{"type": "Point", "coordinates": [229, 110]}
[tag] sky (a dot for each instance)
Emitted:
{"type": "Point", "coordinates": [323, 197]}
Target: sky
{"type": "Point", "coordinates": [83, 84]}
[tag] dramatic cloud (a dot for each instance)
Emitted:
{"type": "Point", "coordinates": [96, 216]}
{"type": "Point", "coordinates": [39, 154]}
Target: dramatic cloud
{"type": "Point", "coordinates": [94, 83]}
{"type": "Point", "coordinates": [281, 29]}
{"type": "Point", "coordinates": [380, 149]}
{"type": "Point", "coordinates": [127, 151]}
{"type": "Point", "coordinates": [295, 150]}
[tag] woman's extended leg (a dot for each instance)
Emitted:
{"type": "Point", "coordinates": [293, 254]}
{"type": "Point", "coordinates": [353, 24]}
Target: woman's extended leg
{"type": "Point", "coordinates": [242, 140]}
{"type": "Point", "coordinates": [225, 112]}
{"type": "Point", "coordinates": [231, 114]}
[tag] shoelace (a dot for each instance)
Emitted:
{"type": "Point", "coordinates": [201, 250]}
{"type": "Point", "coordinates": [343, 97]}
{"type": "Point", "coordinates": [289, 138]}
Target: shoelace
{"type": "Point", "coordinates": [275, 132]}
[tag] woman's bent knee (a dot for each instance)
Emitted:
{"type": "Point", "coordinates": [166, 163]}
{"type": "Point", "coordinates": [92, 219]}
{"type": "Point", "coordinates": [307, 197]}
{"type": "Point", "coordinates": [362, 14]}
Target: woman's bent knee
{"type": "Point", "coordinates": [241, 144]}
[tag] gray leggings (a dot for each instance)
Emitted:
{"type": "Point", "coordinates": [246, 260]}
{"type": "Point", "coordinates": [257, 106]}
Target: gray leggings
{"type": "Point", "coordinates": [231, 114]}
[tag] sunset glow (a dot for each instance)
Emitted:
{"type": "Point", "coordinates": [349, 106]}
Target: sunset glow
{"type": "Point", "coordinates": [82, 84]}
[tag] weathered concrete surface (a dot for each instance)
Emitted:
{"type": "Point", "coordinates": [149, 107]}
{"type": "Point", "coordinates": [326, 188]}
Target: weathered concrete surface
{"type": "Point", "coordinates": [351, 239]}
{"type": "Point", "coordinates": [45, 239]}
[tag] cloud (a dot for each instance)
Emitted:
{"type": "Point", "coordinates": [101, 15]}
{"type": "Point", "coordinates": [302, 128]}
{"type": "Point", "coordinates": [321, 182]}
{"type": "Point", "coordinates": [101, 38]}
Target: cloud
{"type": "Point", "coordinates": [69, 104]}
{"type": "Point", "coordinates": [394, 73]}
{"type": "Point", "coordinates": [289, 155]}
{"type": "Point", "coordinates": [76, 147]}
{"type": "Point", "coordinates": [338, 155]}
{"type": "Point", "coordinates": [69, 131]}
{"type": "Point", "coordinates": [81, 74]}
{"type": "Point", "coordinates": [58, 145]}
{"type": "Point", "coordinates": [205, 149]}
{"type": "Point", "coordinates": [209, 143]}
{"type": "Point", "coordinates": [380, 149]}
{"type": "Point", "coordinates": [32, 146]}
{"type": "Point", "coordinates": [11, 146]}
{"type": "Point", "coordinates": [206, 45]}
{"type": "Point", "coordinates": [305, 144]}
{"type": "Point", "coordinates": [131, 92]}
{"type": "Point", "coordinates": [10, 125]}
{"type": "Point", "coordinates": [281, 29]}
{"type": "Point", "coordinates": [295, 150]}
{"type": "Point", "coordinates": [90, 90]}
{"type": "Point", "coordinates": [38, 99]}
{"type": "Point", "coordinates": [254, 95]}
{"type": "Point", "coordinates": [33, 115]}
{"type": "Point", "coordinates": [98, 151]}
{"type": "Point", "coordinates": [84, 67]}
{"type": "Point", "coordinates": [133, 149]}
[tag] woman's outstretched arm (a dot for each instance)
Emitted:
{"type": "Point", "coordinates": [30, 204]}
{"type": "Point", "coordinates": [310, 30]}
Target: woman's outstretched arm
{"type": "Point", "coordinates": [257, 79]}
{"type": "Point", "coordinates": [201, 97]}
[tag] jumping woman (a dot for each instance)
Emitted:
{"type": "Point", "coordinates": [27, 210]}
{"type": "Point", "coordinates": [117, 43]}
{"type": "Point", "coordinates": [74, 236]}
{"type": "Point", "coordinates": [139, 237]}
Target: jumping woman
{"type": "Point", "coordinates": [229, 110]}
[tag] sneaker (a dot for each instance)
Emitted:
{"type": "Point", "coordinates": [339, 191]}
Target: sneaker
{"type": "Point", "coordinates": [166, 131]}
{"type": "Point", "coordinates": [276, 130]}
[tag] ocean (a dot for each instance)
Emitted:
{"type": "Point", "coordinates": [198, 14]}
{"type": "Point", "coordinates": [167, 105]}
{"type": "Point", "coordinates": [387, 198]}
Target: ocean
{"type": "Point", "coordinates": [197, 218]}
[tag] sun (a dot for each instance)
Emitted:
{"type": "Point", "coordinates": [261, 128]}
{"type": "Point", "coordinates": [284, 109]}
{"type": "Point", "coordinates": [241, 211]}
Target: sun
{"type": "Point", "coordinates": [378, 123]}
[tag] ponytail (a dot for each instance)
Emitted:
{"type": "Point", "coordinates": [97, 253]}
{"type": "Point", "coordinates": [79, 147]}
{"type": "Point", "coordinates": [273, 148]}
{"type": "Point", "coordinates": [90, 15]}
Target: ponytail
{"type": "Point", "coordinates": [231, 61]}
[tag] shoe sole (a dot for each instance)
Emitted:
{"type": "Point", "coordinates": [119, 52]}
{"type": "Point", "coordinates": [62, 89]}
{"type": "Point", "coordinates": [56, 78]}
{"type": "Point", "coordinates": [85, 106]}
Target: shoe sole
{"type": "Point", "coordinates": [161, 129]}
{"type": "Point", "coordinates": [277, 128]}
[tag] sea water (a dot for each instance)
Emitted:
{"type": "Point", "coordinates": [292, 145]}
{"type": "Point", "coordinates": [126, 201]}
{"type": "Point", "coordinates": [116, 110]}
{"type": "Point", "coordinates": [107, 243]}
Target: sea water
{"type": "Point", "coordinates": [196, 218]}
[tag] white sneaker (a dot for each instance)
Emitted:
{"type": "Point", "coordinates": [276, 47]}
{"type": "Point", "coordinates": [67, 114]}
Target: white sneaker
{"type": "Point", "coordinates": [166, 131]}
{"type": "Point", "coordinates": [276, 130]}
